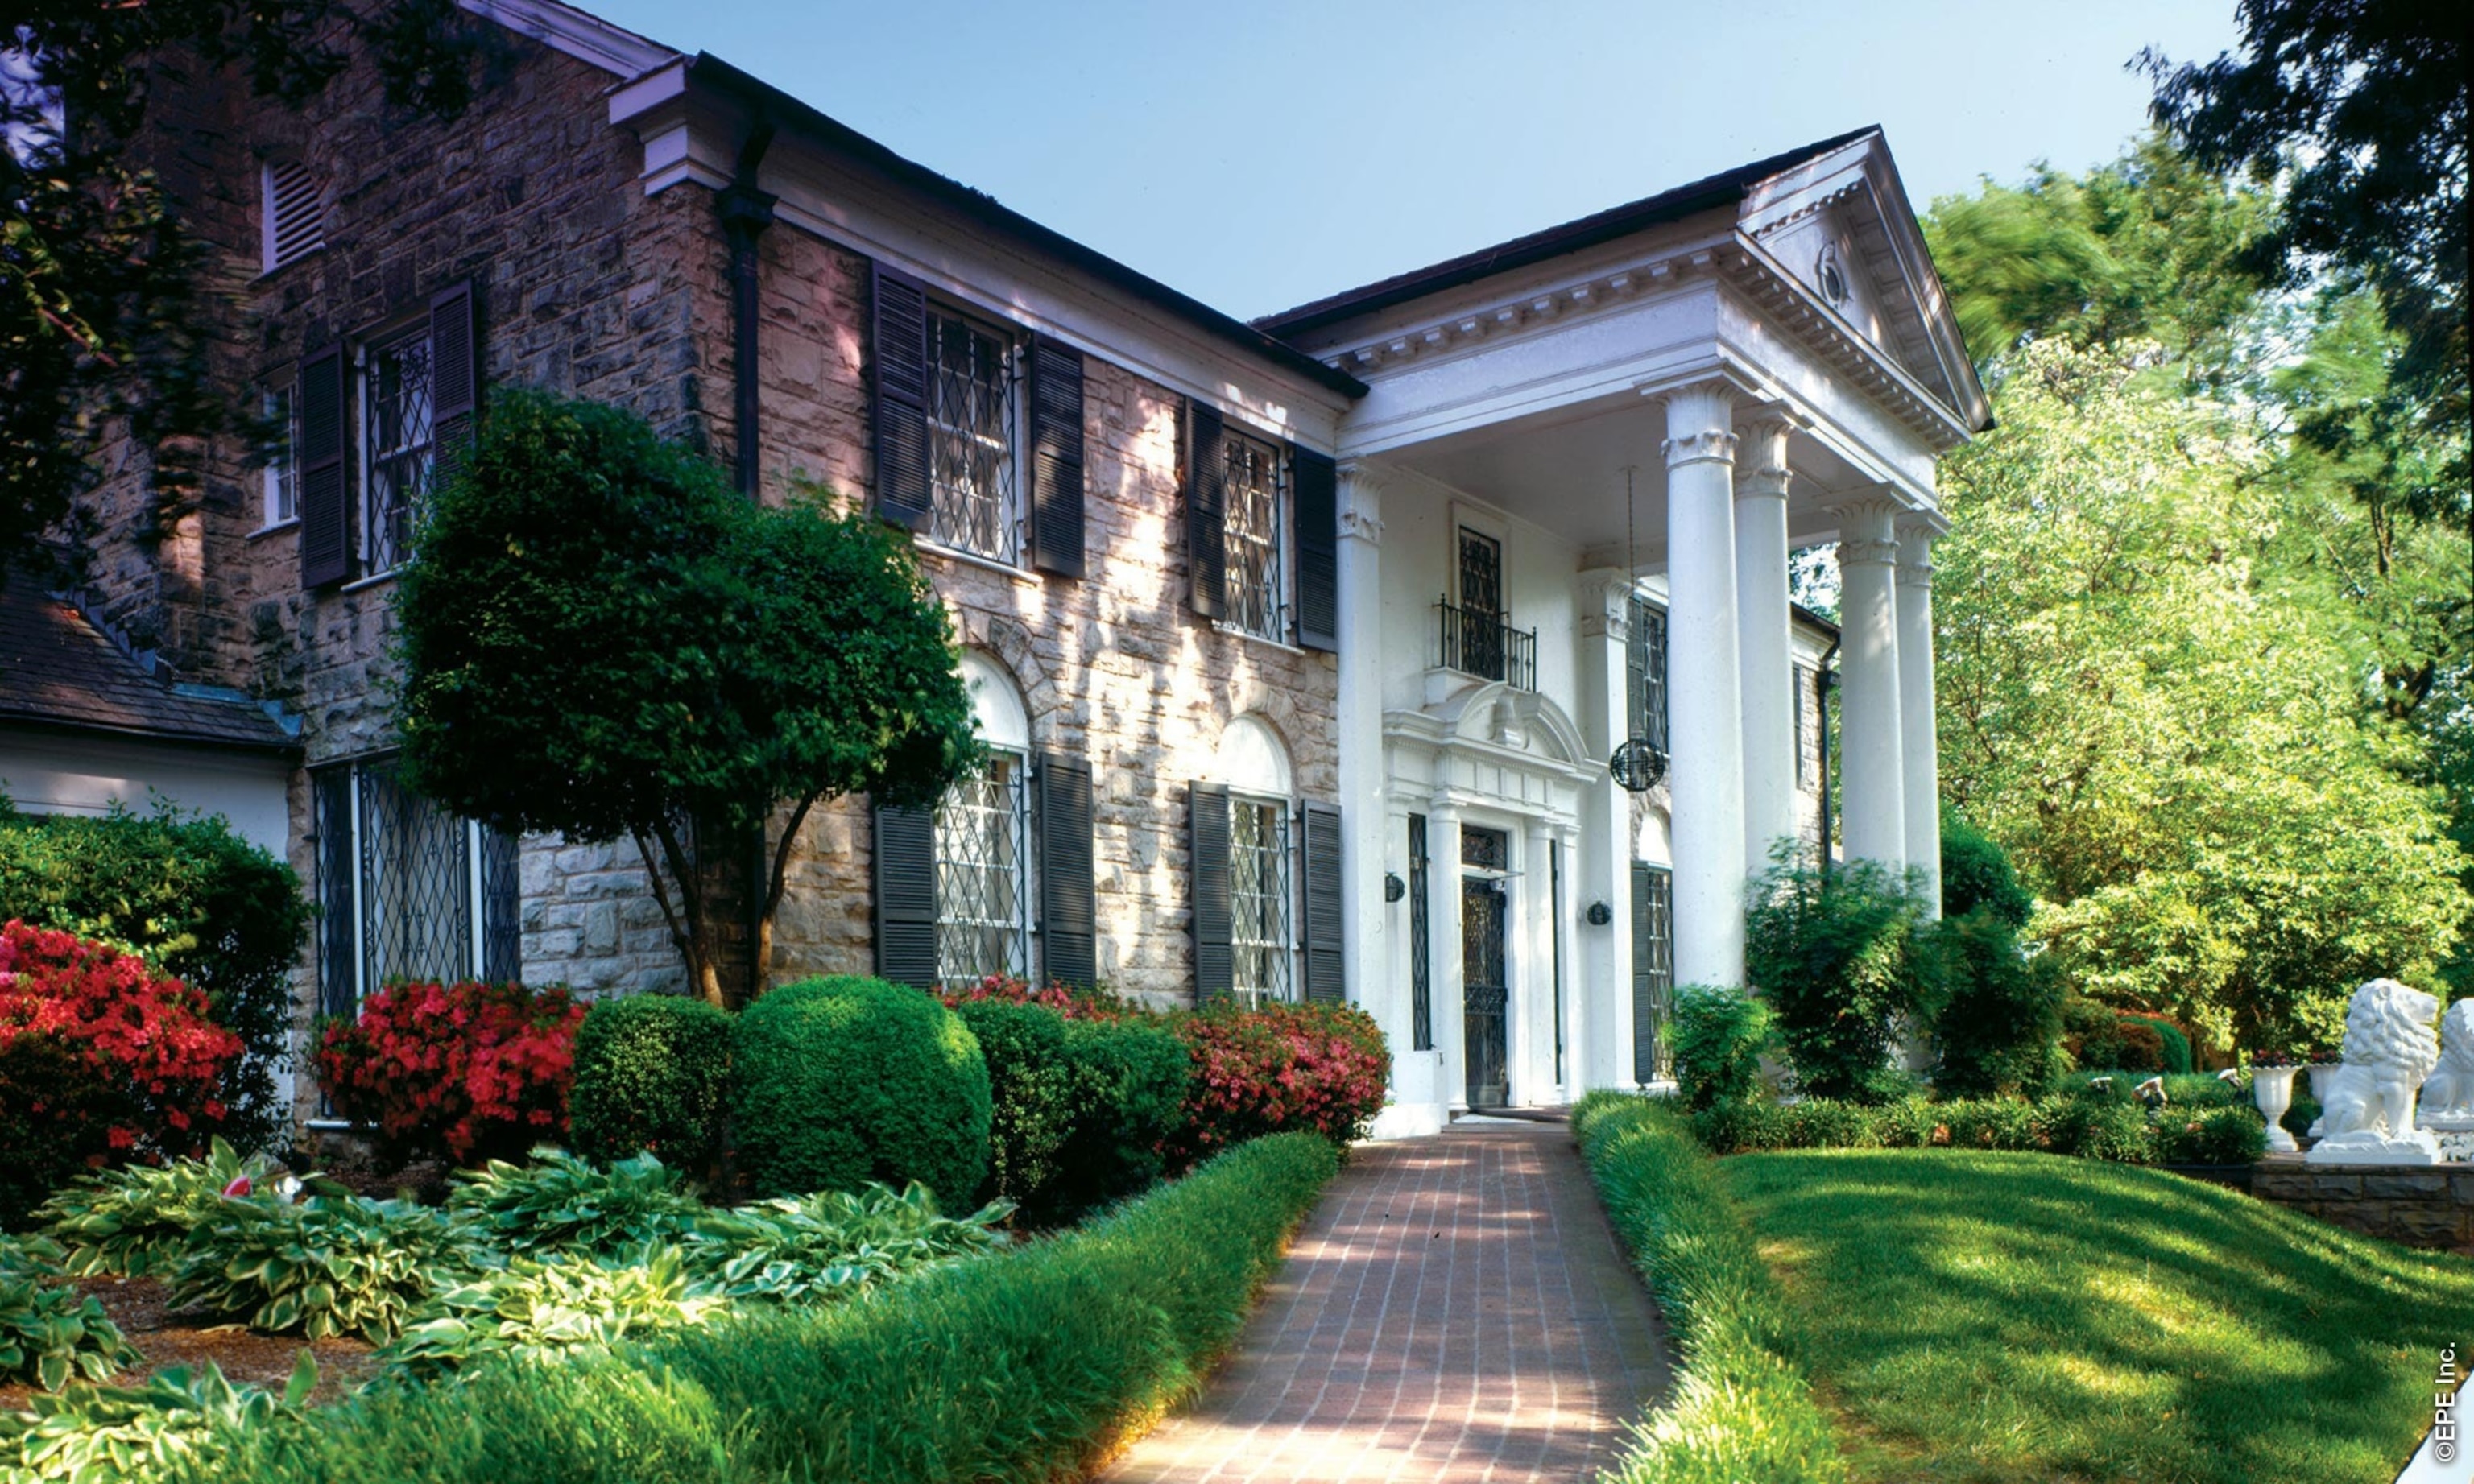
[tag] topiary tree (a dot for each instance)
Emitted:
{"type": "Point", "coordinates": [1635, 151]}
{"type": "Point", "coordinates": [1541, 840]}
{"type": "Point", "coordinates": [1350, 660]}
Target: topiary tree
{"type": "Point", "coordinates": [842, 1081]}
{"type": "Point", "coordinates": [193, 899]}
{"type": "Point", "coordinates": [1836, 955]}
{"type": "Point", "coordinates": [1975, 872]}
{"type": "Point", "coordinates": [651, 1071]}
{"type": "Point", "coordinates": [601, 639]}
{"type": "Point", "coordinates": [2000, 1029]}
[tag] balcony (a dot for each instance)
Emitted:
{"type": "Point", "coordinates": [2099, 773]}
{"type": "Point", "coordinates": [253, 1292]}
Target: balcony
{"type": "Point", "coordinates": [1477, 641]}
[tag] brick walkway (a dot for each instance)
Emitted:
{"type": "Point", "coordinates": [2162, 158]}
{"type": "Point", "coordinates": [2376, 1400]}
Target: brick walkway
{"type": "Point", "coordinates": [1455, 1309]}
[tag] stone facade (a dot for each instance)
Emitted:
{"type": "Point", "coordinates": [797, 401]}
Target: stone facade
{"type": "Point", "coordinates": [2431, 1207]}
{"type": "Point", "coordinates": [588, 286]}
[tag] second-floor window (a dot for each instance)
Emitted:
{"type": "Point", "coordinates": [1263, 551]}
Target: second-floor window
{"type": "Point", "coordinates": [1645, 674]}
{"type": "Point", "coordinates": [281, 490]}
{"type": "Point", "coordinates": [395, 439]}
{"type": "Point", "coordinates": [971, 467]}
{"type": "Point", "coordinates": [1256, 494]}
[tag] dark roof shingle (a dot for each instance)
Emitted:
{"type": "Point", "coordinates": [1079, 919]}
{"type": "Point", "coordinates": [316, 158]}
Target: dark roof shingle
{"type": "Point", "coordinates": [58, 669]}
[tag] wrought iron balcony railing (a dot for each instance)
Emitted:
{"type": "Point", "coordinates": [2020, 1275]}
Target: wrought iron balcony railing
{"type": "Point", "coordinates": [1477, 641]}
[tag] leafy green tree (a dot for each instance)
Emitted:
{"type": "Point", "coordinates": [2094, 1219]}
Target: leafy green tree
{"type": "Point", "coordinates": [601, 639]}
{"type": "Point", "coordinates": [102, 283]}
{"type": "Point", "coordinates": [2174, 737]}
{"type": "Point", "coordinates": [1839, 956]}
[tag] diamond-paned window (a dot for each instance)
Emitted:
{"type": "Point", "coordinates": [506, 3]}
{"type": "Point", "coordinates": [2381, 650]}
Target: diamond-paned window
{"type": "Point", "coordinates": [1255, 489]}
{"type": "Point", "coordinates": [395, 437]}
{"type": "Point", "coordinates": [982, 889]}
{"type": "Point", "coordinates": [407, 890]}
{"type": "Point", "coordinates": [1259, 896]}
{"type": "Point", "coordinates": [973, 506]}
{"type": "Point", "coordinates": [281, 487]}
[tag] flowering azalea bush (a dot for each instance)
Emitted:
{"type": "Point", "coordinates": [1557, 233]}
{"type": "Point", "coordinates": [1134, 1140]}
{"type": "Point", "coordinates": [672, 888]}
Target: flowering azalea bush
{"type": "Point", "coordinates": [467, 1071]}
{"type": "Point", "coordinates": [1277, 1068]}
{"type": "Point", "coordinates": [1072, 1001]}
{"type": "Point", "coordinates": [103, 1060]}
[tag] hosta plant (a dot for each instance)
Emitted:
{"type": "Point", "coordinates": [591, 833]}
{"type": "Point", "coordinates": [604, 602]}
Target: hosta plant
{"type": "Point", "coordinates": [832, 1244]}
{"type": "Point", "coordinates": [50, 1332]}
{"type": "Point", "coordinates": [134, 1434]}
{"type": "Point", "coordinates": [530, 1308]}
{"type": "Point", "coordinates": [134, 1221]}
{"type": "Point", "coordinates": [29, 1252]}
{"type": "Point", "coordinates": [560, 1201]}
{"type": "Point", "coordinates": [329, 1265]}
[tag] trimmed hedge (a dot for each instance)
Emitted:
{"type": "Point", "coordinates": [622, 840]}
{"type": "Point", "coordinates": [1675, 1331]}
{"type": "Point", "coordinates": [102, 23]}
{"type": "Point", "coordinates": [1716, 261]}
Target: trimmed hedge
{"type": "Point", "coordinates": [1742, 1411]}
{"type": "Point", "coordinates": [193, 899]}
{"type": "Point", "coordinates": [651, 1074]}
{"type": "Point", "coordinates": [2088, 1122]}
{"type": "Point", "coordinates": [838, 1081]}
{"type": "Point", "coordinates": [1080, 1108]}
{"type": "Point", "coordinates": [1020, 1367]}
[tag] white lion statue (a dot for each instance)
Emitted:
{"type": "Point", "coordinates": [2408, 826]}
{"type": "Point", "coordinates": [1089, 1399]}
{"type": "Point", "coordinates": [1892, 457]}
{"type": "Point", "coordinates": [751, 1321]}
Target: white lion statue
{"type": "Point", "coordinates": [2367, 1109]}
{"type": "Point", "coordinates": [2448, 1097]}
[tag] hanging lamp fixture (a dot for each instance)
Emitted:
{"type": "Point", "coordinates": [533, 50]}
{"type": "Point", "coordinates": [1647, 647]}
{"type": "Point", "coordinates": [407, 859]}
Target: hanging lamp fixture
{"type": "Point", "coordinates": [1639, 763]}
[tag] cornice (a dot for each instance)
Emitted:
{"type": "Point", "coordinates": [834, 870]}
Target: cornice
{"type": "Point", "coordinates": [1752, 271]}
{"type": "Point", "coordinates": [584, 36]}
{"type": "Point", "coordinates": [1584, 294]}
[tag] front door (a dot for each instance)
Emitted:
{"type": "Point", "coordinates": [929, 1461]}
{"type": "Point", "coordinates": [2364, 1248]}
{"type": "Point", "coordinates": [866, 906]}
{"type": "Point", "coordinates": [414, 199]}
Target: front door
{"type": "Point", "coordinates": [1483, 991]}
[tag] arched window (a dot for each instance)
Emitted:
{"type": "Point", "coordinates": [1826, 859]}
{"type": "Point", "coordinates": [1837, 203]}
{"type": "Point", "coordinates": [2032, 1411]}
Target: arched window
{"type": "Point", "coordinates": [1262, 888]}
{"type": "Point", "coordinates": [982, 834]}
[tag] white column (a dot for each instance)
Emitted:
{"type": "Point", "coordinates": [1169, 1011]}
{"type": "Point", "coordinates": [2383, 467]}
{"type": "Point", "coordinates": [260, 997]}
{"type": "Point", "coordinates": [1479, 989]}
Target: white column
{"type": "Point", "coordinates": [1363, 846]}
{"type": "Point", "coordinates": [1443, 940]}
{"type": "Point", "coordinates": [1918, 733]}
{"type": "Point", "coordinates": [1601, 1042]}
{"type": "Point", "coordinates": [1766, 668]}
{"type": "Point", "coordinates": [1704, 687]}
{"type": "Point", "coordinates": [1872, 763]}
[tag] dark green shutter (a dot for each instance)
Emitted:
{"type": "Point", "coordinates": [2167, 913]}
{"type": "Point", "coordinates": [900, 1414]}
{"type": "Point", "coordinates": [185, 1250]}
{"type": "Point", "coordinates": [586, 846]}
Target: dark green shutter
{"type": "Point", "coordinates": [455, 378]}
{"type": "Point", "coordinates": [1056, 457]}
{"type": "Point", "coordinates": [901, 352]}
{"type": "Point", "coordinates": [906, 896]}
{"type": "Point", "coordinates": [1206, 516]}
{"type": "Point", "coordinates": [325, 495]}
{"type": "Point", "coordinates": [1215, 968]}
{"type": "Point", "coordinates": [1326, 965]}
{"type": "Point", "coordinates": [1067, 913]}
{"type": "Point", "coordinates": [1316, 503]}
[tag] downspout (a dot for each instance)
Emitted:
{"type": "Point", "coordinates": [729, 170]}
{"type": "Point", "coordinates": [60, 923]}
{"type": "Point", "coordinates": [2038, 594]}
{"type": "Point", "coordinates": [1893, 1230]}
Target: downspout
{"type": "Point", "coordinates": [1824, 681]}
{"type": "Point", "coordinates": [745, 212]}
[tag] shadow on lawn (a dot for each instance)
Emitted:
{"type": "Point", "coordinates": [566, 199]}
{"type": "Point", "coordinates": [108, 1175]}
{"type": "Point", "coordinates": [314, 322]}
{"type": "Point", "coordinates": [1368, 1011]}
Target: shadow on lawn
{"type": "Point", "coordinates": [2013, 1312]}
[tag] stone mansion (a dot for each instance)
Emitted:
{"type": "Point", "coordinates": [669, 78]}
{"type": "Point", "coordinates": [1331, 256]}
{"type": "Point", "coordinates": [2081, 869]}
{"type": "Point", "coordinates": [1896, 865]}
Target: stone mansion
{"type": "Point", "coordinates": [1309, 650]}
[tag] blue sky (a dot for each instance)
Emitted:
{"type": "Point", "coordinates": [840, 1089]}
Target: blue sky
{"type": "Point", "coordinates": [1258, 156]}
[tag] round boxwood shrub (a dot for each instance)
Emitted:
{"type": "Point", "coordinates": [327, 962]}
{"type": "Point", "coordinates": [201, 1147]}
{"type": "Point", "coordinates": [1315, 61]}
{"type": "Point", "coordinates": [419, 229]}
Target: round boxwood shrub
{"type": "Point", "coordinates": [651, 1074]}
{"type": "Point", "coordinates": [838, 1081]}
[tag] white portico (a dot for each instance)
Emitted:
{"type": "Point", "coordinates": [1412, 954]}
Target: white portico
{"type": "Point", "coordinates": [1768, 360]}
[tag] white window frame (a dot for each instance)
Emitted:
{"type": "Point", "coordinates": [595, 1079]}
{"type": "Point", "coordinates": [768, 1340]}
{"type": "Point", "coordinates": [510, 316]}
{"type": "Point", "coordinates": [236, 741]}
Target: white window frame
{"type": "Point", "coordinates": [365, 354]}
{"type": "Point", "coordinates": [1281, 601]}
{"type": "Point", "coordinates": [1280, 950]}
{"type": "Point", "coordinates": [1019, 934]}
{"type": "Point", "coordinates": [280, 481]}
{"type": "Point", "coordinates": [475, 948]}
{"type": "Point", "coordinates": [1013, 545]}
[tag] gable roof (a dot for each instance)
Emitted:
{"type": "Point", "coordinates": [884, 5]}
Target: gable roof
{"type": "Point", "coordinates": [59, 669]}
{"type": "Point", "coordinates": [1728, 187]}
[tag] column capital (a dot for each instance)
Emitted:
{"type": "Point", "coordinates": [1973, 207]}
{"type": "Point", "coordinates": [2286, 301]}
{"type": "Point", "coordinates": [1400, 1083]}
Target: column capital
{"type": "Point", "coordinates": [1607, 613]}
{"type": "Point", "coordinates": [1917, 531]}
{"type": "Point", "coordinates": [1763, 473]}
{"type": "Point", "coordinates": [1700, 420]}
{"type": "Point", "coordinates": [1361, 500]}
{"type": "Point", "coordinates": [1708, 446]}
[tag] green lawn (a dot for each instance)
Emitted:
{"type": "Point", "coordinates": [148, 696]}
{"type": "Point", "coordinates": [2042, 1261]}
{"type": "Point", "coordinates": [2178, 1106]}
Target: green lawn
{"type": "Point", "coordinates": [2013, 1316]}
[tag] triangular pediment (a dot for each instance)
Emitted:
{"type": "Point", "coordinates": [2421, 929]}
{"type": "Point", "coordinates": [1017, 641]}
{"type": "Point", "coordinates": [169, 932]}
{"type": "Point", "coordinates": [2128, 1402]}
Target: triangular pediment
{"type": "Point", "coordinates": [1839, 224]}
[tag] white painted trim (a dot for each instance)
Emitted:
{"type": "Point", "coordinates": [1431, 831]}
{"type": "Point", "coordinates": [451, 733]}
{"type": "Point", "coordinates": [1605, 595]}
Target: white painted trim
{"type": "Point", "coordinates": [578, 34]}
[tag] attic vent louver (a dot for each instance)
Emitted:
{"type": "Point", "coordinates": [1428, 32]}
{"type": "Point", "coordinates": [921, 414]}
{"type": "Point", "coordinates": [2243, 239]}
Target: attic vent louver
{"type": "Point", "coordinates": [295, 220]}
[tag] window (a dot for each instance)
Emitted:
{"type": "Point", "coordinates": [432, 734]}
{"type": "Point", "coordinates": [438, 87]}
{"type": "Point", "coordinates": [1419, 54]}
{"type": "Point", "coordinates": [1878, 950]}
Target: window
{"type": "Point", "coordinates": [395, 447]}
{"type": "Point", "coordinates": [1653, 971]}
{"type": "Point", "coordinates": [1797, 676]}
{"type": "Point", "coordinates": [983, 892]}
{"type": "Point", "coordinates": [1255, 489]}
{"type": "Point", "coordinates": [282, 492]}
{"type": "Point", "coordinates": [405, 891]}
{"type": "Point", "coordinates": [971, 483]}
{"type": "Point", "coordinates": [292, 222]}
{"type": "Point", "coordinates": [1422, 1011]}
{"type": "Point", "coordinates": [1259, 895]}
{"type": "Point", "coordinates": [1645, 674]}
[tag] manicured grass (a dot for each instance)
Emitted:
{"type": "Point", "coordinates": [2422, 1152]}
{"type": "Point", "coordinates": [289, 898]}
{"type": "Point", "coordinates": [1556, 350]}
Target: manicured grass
{"type": "Point", "coordinates": [1980, 1316]}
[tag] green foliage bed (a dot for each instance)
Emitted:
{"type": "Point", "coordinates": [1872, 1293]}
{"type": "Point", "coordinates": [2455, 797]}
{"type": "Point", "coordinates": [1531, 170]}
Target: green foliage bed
{"type": "Point", "coordinates": [1993, 1317]}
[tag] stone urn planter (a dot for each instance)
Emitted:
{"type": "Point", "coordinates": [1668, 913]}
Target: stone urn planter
{"type": "Point", "coordinates": [2271, 1087]}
